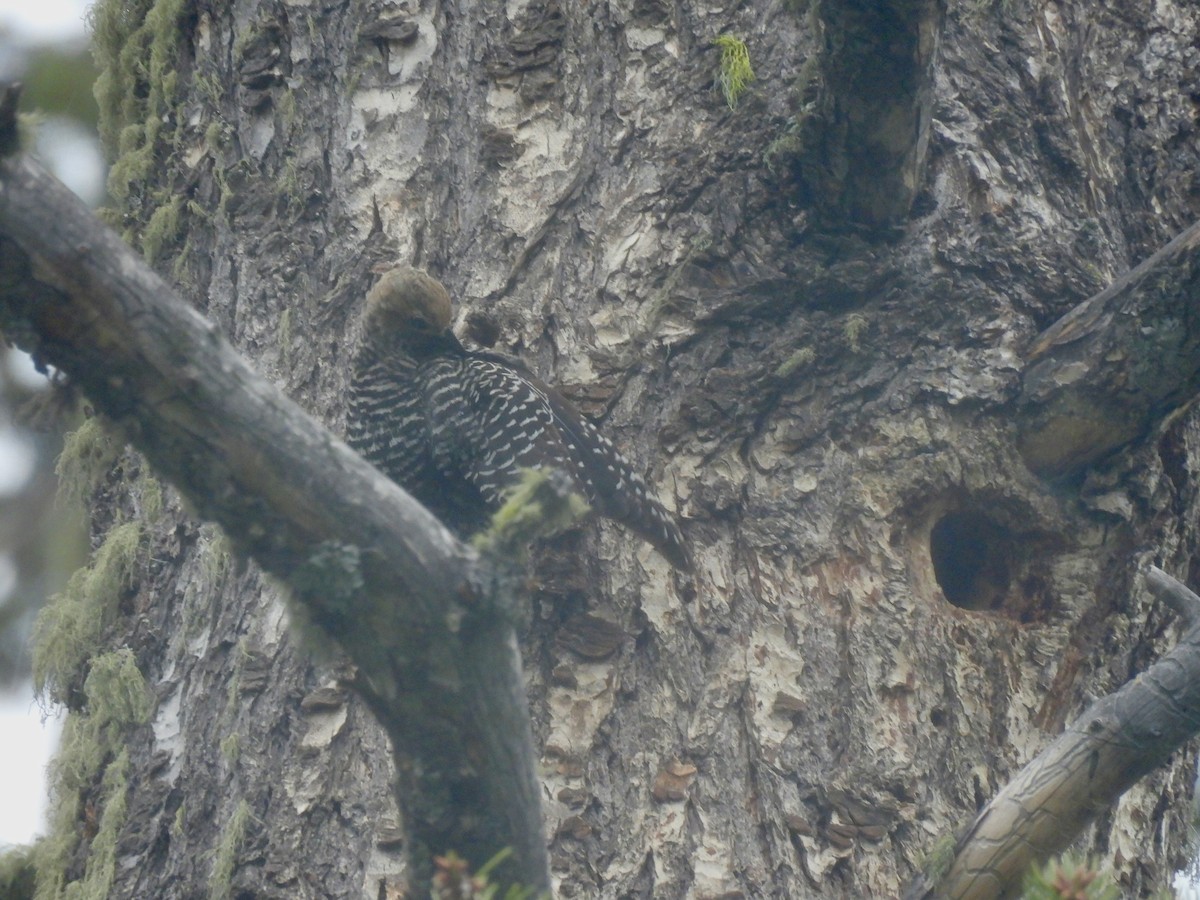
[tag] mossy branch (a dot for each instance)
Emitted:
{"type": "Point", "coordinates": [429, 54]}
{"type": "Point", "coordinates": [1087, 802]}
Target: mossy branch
{"type": "Point", "coordinates": [286, 491]}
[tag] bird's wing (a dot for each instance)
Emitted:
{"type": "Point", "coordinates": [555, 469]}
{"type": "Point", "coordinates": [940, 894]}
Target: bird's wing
{"type": "Point", "coordinates": [487, 423]}
{"type": "Point", "coordinates": [607, 478]}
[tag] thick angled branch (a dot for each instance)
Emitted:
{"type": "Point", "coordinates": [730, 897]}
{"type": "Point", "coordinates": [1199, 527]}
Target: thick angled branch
{"type": "Point", "coordinates": [866, 142]}
{"type": "Point", "coordinates": [371, 566]}
{"type": "Point", "coordinates": [1118, 740]}
{"type": "Point", "coordinates": [1116, 365]}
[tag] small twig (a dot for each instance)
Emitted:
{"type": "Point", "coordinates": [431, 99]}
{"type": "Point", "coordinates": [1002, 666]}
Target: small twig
{"type": "Point", "coordinates": [10, 137]}
{"type": "Point", "coordinates": [1173, 593]}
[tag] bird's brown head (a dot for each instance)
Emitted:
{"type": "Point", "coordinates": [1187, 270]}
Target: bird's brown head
{"type": "Point", "coordinates": [406, 304]}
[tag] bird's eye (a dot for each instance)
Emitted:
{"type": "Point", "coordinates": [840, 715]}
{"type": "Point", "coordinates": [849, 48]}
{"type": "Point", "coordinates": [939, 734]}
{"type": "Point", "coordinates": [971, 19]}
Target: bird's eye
{"type": "Point", "coordinates": [416, 322]}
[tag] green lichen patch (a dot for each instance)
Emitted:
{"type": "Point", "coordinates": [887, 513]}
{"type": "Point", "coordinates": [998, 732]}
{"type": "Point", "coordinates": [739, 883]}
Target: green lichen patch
{"type": "Point", "coordinates": [216, 551]}
{"type": "Point", "coordinates": [102, 855]}
{"type": "Point", "coordinates": [784, 149]}
{"type": "Point", "coordinates": [734, 72]}
{"type": "Point", "coordinates": [163, 229]}
{"type": "Point", "coordinates": [220, 883]}
{"type": "Point", "coordinates": [87, 453]}
{"type": "Point", "coordinates": [137, 45]}
{"type": "Point", "coordinates": [107, 815]}
{"type": "Point", "coordinates": [116, 693]}
{"type": "Point", "coordinates": [797, 360]}
{"type": "Point", "coordinates": [231, 747]}
{"type": "Point", "coordinates": [853, 329]}
{"type": "Point", "coordinates": [541, 504]}
{"type": "Point", "coordinates": [939, 858]}
{"type": "Point", "coordinates": [149, 492]}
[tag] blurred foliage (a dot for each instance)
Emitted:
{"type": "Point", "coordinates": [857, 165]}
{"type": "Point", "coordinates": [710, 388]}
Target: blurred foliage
{"type": "Point", "coordinates": [1069, 877]}
{"type": "Point", "coordinates": [42, 540]}
{"type": "Point", "coordinates": [58, 81]}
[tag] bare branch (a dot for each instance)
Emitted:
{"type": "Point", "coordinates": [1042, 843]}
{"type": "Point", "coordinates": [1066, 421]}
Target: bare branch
{"type": "Point", "coordinates": [1117, 741]}
{"type": "Point", "coordinates": [1104, 374]}
{"type": "Point", "coordinates": [372, 568]}
{"type": "Point", "coordinates": [1175, 594]}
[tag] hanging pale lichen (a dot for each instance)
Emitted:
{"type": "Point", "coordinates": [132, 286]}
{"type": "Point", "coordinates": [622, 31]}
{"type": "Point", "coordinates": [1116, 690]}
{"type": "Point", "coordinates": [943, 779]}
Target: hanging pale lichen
{"type": "Point", "coordinates": [116, 700]}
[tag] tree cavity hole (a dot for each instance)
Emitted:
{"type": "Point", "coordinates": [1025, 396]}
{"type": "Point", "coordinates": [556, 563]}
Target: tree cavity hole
{"type": "Point", "coordinates": [971, 560]}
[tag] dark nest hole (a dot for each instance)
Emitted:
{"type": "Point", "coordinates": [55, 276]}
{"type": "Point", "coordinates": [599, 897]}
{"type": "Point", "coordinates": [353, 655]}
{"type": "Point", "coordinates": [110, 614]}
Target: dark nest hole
{"type": "Point", "coordinates": [972, 560]}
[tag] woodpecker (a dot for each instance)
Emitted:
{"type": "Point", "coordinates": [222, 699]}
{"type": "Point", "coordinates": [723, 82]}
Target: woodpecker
{"type": "Point", "coordinates": [456, 427]}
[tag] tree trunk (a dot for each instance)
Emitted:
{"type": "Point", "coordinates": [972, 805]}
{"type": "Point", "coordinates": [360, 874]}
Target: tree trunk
{"type": "Point", "coordinates": [891, 613]}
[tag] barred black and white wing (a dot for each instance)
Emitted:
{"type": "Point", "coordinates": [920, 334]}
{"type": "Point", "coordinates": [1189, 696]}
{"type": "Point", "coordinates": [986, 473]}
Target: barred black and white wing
{"type": "Point", "coordinates": [487, 423]}
{"type": "Point", "coordinates": [507, 420]}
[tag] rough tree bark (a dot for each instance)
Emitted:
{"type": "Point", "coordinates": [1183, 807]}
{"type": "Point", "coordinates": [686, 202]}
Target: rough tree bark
{"type": "Point", "coordinates": [892, 612]}
{"type": "Point", "coordinates": [1115, 742]}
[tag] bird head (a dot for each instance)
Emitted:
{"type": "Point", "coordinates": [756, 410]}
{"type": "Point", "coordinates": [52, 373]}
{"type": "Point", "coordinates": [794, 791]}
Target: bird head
{"type": "Point", "coordinates": [406, 304]}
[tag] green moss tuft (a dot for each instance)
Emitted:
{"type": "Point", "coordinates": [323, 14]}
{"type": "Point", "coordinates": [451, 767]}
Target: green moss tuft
{"type": "Point", "coordinates": [734, 73]}
{"type": "Point", "coordinates": [939, 858]}
{"type": "Point", "coordinates": [102, 854]}
{"type": "Point", "coordinates": [78, 759]}
{"type": "Point", "coordinates": [783, 149]}
{"type": "Point", "coordinates": [65, 635]}
{"type": "Point", "coordinates": [56, 851]}
{"type": "Point", "coordinates": [231, 747]}
{"type": "Point", "coordinates": [216, 559]}
{"type": "Point", "coordinates": [853, 328]}
{"type": "Point", "coordinates": [538, 506]}
{"type": "Point", "coordinates": [220, 883]}
{"type": "Point", "coordinates": [116, 692]}
{"type": "Point", "coordinates": [150, 497]}
{"type": "Point", "coordinates": [800, 358]}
